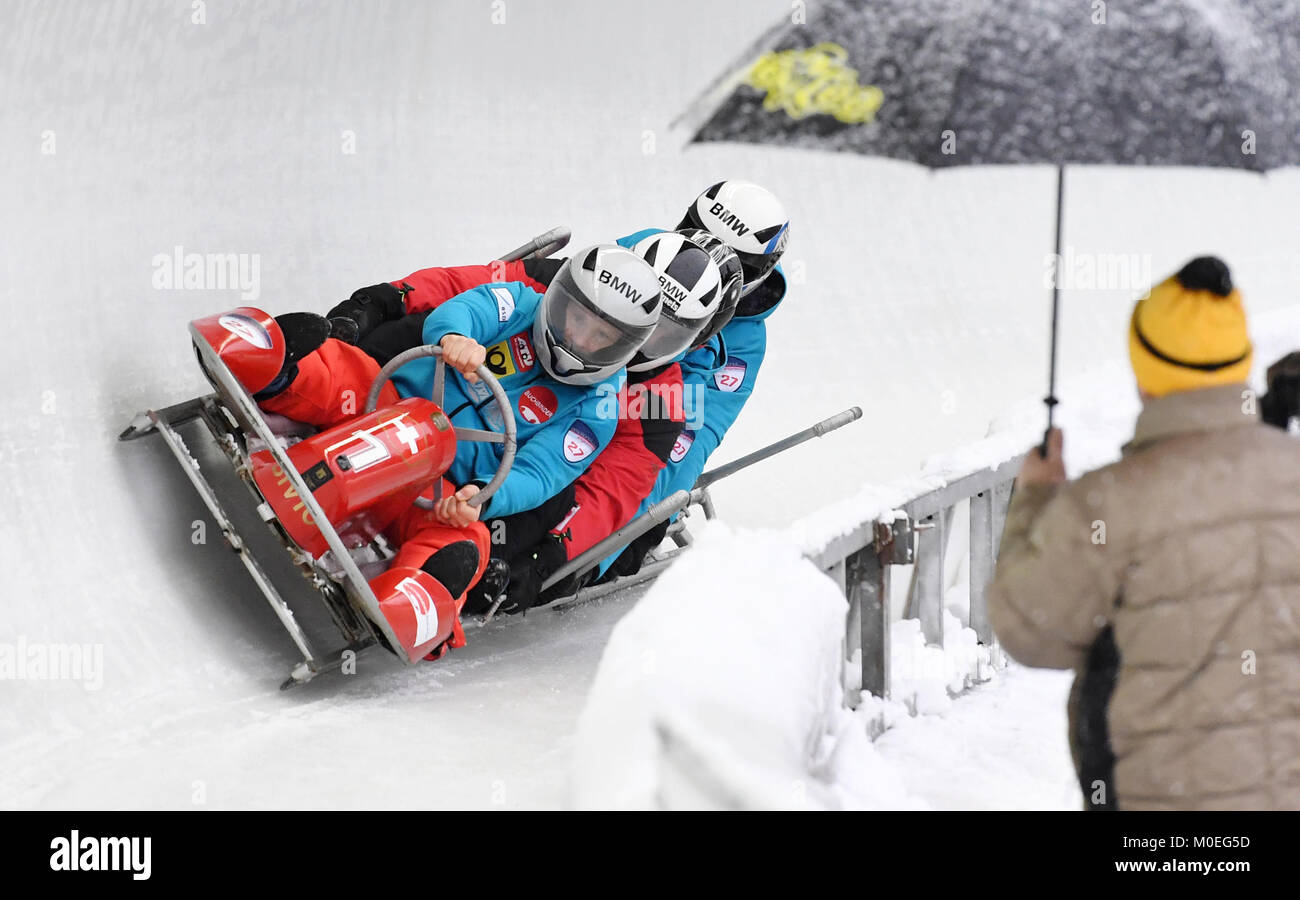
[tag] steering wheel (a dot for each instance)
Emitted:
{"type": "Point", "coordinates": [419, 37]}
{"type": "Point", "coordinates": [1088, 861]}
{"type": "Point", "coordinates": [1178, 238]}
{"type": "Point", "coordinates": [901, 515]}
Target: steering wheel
{"type": "Point", "coordinates": [462, 434]}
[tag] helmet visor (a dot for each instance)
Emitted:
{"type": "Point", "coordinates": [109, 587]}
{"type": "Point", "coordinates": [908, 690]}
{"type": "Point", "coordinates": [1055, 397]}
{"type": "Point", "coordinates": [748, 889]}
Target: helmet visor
{"type": "Point", "coordinates": [670, 337]}
{"type": "Point", "coordinates": [583, 333]}
{"type": "Point", "coordinates": [755, 267]}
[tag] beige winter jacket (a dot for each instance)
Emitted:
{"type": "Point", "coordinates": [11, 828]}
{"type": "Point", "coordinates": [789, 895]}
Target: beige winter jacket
{"type": "Point", "coordinates": [1188, 548]}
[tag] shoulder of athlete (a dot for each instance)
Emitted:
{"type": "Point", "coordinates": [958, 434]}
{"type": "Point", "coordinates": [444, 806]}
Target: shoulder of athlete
{"type": "Point", "coordinates": [763, 300]}
{"type": "Point", "coordinates": [631, 239]}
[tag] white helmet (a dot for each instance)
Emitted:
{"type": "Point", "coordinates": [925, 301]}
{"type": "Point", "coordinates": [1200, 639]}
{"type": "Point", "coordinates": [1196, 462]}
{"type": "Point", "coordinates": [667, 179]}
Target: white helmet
{"type": "Point", "coordinates": [733, 279]}
{"type": "Point", "coordinates": [692, 291]}
{"type": "Point", "coordinates": [751, 221]}
{"type": "Point", "coordinates": [598, 310]}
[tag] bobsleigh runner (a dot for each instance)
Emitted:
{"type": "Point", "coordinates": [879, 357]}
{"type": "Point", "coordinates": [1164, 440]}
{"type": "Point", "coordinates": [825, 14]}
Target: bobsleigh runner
{"type": "Point", "coordinates": [328, 496]}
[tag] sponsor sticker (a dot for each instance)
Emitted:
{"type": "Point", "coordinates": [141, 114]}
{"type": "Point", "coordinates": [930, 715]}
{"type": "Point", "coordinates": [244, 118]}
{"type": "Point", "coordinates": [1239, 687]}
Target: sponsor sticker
{"type": "Point", "coordinates": [317, 475]}
{"type": "Point", "coordinates": [731, 376]}
{"type": "Point", "coordinates": [426, 612]}
{"type": "Point", "coordinates": [579, 442]}
{"type": "Point", "coordinates": [499, 361]}
{"type": "Point", "coordinates": [359, 452]}
{"type": "Point", "coordinates": [682, 446]}
{"type": "Point", "coordinates": [523, 349]}
{"type": "Point", "coordinates": [505, 303]}
{"type": "Point", "coordinates": [248, 329]}
{"type": "Point", "coordinates": [537, 404]}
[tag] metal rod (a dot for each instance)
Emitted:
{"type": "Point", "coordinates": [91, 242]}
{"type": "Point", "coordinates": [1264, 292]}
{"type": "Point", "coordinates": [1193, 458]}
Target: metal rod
{"type": "Point", "coordinates": [175, 414]}
{"type": "Point", "coordinates": [675, 503]}
{"type": "Point", "coordinates": [929, 579]}
{"type": "Point", "coordinates": [544, 244]}
{"type": "Point", "coordinates": [867, 582]}
{"type": "Point", "coordinates": [1050, 399]}
{"type": "Point", "coordinates": [657, 513]}
{"type": "Point", "coordinates": [981, 564]}
{"type": "Point", "coordinates": [825, 426]}
{"type": "Point", "coordinates": [596, 591]}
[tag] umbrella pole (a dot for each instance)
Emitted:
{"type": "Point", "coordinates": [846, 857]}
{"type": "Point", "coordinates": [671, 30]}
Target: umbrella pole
{"type": "Point", "coordinates": [1050, 399]}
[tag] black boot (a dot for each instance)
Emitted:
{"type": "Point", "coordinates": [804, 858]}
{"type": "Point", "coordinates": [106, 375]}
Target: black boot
{"type": "Point", "coordinates": [492, 585]}
{"type": "Point", "coordinates": [453, 566]}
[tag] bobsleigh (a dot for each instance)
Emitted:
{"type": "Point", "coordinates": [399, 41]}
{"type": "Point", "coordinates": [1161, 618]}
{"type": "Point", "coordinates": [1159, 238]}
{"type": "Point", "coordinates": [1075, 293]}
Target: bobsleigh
{"type": "Point", "coordinates": [328, 496]}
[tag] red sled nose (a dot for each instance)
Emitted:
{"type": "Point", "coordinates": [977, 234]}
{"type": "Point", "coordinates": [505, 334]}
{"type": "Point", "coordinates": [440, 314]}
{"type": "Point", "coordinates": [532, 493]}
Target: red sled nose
{"type": "Point", "coordinates": [418, 609]}
{"type": "Point", "coordinates": [249, 342]}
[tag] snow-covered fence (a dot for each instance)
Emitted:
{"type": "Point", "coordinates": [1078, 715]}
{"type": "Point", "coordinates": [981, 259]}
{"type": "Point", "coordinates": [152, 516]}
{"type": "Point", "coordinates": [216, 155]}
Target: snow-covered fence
{"type": "Point", "coordinates": [916, 531]}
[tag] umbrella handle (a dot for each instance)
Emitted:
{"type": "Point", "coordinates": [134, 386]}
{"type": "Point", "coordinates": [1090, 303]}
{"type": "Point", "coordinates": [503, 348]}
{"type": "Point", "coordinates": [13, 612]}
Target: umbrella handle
{"type": "Point", "coordinates": [1051, 402]}
{"type": "Point", "coordinates": [1050, 399]}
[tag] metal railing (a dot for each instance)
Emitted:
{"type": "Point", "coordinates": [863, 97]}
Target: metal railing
{"type": "Point", "coordinates": [861, 562]}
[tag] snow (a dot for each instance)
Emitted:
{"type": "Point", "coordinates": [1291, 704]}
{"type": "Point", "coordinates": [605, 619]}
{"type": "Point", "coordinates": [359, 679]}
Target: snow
{"type": "Point", "coordinates": [916, 295]}
{"type": "Point", "coordinates": [735, 667]}
{"type": "Point", "coordinates": [720, 690]}
{"type": "Point", "coordinates": [1002, 746]}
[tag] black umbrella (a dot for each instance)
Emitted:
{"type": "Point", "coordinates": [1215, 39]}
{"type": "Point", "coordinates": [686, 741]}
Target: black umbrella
{"type": "Point", "coordinates": [959, 82]}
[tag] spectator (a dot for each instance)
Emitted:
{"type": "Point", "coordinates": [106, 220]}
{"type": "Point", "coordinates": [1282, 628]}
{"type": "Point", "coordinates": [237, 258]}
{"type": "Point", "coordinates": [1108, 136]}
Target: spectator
{"type": "Point", "coordinates": [1170, 580]}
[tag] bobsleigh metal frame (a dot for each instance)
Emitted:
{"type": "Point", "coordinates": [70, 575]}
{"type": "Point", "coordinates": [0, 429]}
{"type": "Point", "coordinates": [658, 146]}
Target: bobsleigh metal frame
{"type": "Point", "coordinates": [230, 416]}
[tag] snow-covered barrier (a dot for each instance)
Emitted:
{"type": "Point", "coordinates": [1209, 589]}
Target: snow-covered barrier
{"type": "Point", "coordinates": [725, 686]}
{"type": "Point", "coordinates": [721, 689]}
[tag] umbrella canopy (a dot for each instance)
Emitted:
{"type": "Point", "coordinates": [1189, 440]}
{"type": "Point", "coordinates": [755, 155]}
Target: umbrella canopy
{"type": "Point", "coordinates": [976, 82]}
{"type": "Point", "coordinates": [1161, 82]}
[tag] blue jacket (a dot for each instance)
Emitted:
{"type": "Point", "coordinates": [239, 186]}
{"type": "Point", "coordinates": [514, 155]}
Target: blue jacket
{"type": "Point", "coordinates": [720, 375]}
{"type": "Point", "coordinates": [560, 427]}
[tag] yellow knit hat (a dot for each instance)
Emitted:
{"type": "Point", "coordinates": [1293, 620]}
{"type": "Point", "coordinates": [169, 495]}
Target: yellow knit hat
{"type": "Point", "coordinates": [1189, 332]}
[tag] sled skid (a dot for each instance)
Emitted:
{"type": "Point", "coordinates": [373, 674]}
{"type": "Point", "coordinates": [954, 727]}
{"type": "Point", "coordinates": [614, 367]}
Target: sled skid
{"type": "Point", "coordinates": [146, 422]}
{"type": "Point", "coordinates": [648, 572]}
{"type": "Point", "coordinates": [159, 422]}
{"type": "Point", "coordinates": [232, 419]}
{"type": "Point", "coordinates": [305, 671]}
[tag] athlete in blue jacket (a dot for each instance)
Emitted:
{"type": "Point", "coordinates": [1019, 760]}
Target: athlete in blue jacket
{"type": "Point", "coordinates": [720, 376]}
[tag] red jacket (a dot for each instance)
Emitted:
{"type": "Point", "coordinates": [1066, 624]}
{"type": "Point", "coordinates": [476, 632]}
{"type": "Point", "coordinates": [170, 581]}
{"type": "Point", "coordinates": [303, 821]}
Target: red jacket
{"type": "Point", "coordinates": [651, 417]}
{"type": "Point", "coordinates": [428, 288]}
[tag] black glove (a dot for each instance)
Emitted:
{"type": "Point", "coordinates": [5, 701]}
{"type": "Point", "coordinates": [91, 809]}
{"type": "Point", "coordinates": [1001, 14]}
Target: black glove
{"type": "Point", "coordinates": [344, 329]}
{"type": "Point", "coordinates": [366, 310]}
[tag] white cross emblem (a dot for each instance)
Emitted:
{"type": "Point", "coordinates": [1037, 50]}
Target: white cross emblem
{"type": "Point", "coordinates": [407, 435]}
